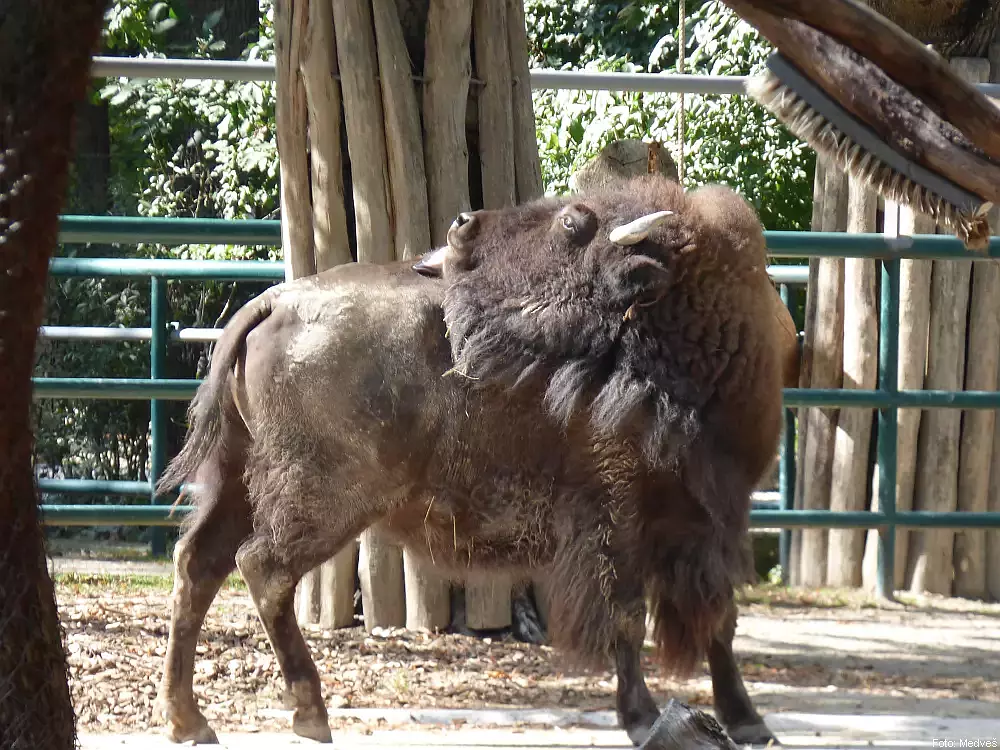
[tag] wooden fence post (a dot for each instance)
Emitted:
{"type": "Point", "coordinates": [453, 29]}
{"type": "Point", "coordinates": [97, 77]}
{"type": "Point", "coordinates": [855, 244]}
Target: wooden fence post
{"type": "Point", "coordinates": [930, 565]}
{"type": "Point", "coordinates": [849, 473]}
{"type": "Point", "coordinates": [825, 369]}
{"type": "Point", "coordinates": [380, 568]}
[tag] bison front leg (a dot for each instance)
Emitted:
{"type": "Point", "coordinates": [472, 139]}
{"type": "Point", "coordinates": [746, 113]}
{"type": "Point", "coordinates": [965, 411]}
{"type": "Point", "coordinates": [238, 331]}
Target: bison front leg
{"type": "Point", "coordinates": [637, 711]}
{"type": "Point", "coordinates": [272, 587]}
{"type": "Point", "coordinates": [733, 706]}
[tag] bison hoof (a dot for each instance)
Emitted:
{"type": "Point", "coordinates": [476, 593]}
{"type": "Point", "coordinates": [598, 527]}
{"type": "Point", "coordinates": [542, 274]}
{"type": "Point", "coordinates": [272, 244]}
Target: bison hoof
{"type": "Point", "coordinates": [755, 735]}
{"type": "Point", "coordinates": [202, 734]}
{"type": "Point", "coordinates": [312, 726]}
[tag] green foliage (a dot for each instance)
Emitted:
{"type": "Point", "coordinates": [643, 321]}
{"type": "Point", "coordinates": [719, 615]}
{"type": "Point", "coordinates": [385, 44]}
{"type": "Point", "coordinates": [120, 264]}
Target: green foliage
{"type": "Point", "coordinates": [728, 139]}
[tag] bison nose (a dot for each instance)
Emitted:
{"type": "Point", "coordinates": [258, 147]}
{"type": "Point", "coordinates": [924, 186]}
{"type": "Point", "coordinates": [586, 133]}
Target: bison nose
{"type": "Point", "coordinates": [462, 230]}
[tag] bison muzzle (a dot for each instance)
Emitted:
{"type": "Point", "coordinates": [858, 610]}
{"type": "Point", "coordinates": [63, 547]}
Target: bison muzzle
{"type": "Point", "coordinates": [589, 388]}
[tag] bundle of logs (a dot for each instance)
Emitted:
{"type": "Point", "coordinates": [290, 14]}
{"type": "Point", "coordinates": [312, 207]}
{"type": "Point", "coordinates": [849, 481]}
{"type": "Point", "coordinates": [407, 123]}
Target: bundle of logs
{"type": "Point", "coordinates": [949, 338]}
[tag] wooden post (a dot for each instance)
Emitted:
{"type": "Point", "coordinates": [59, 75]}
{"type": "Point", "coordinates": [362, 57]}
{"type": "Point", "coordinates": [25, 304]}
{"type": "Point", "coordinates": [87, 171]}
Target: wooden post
{"type": "Point", "coordinates": [319, 68]}
{"type": "Point", "coordinates": [291, 118]}
{"type": "Point", "coordinates": [363, 117]}
{"type": "Point", "coordinates": [428, 595]}
{"type": "Point", "coordinates": [402, 135]}
{"type": "Point", "coordinates": [527, 166]}
{"type": "Point", "coordinates": [826, 372]}
{"type": "Point", "coordinates": [805, 370]}
{"type": "Point", "coordinates": [914, 317]}
{"type": "Point", "coordinates": [978, 425]}
{"type": "Point", "coordinates": [849, 476]}
{"type": "Point", "coordinates": [487, 602]}
{"type": "Point", "coordinates": [930, 563]}
{"type": "Point", "coordinates": [447, 68]}
{"type": "Point", "coordinates": [325, 595]}
{"type": "Point", "coordinates": [380, 569]}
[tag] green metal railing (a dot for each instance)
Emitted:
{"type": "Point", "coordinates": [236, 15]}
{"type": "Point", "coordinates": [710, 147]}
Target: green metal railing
{"type": "Point", "coordinates": [887, 398]}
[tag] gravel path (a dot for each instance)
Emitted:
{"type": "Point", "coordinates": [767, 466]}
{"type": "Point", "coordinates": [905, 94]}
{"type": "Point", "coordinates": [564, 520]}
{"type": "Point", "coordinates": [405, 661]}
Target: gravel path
{"type": "Point", "coordinates": [936, 657]}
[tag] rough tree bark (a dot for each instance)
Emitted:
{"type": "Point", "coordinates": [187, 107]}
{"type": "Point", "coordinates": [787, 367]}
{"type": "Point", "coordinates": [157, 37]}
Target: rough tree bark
{"type": "Point", "coordinates": [45, 47]}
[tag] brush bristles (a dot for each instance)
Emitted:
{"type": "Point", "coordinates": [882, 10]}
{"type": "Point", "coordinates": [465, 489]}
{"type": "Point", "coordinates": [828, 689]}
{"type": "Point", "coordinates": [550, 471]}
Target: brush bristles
{"type": "Point", "coordinates": [829, 142]}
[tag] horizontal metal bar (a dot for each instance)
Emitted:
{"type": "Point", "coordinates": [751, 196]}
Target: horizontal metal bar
{"type": "Point", "coordinates": [169, 268]}
{"type": "Point", "coordinates": [126, 389]}
{"type": "Point", "coordinates": [830, 519]}
{"type": "Point", "coordinates": [183, 389]}
{"type": "Point", "coordinates": [89, 333]}
{"type": "Point", "coordinates": [780, 244]}
{"type": "Point", "coordinates": [113, 515]}
{"type": "Point", "coordinates": [95, 487]}
{"type": "Point", "coordinates": [788, 244]}
{"type": "Point", "coordinates": [789, 274]}
{"type": "Point", "coordinates": [588, 80]}
{"type": "Point", "coordinates": [165, 515]}
{"type": "Point", "coordinates": [257, 70]}
{"type": "Point", "coordinates": [874, 399]}
{"type": "Point", "coordinates": [169, 231]}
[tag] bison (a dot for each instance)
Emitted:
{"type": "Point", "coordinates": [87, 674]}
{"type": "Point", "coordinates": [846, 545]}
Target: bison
{"type": "Point", "coordinates": [586, 387]}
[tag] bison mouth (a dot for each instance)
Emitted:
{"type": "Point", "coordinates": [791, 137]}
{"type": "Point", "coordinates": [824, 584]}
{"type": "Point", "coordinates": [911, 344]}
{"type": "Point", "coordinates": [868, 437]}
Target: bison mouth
{"type": "Point", "coordinates": [432, 264]}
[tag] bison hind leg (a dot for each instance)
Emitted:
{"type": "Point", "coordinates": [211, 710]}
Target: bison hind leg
{"type": "Point", "coordinates": [203, 557]}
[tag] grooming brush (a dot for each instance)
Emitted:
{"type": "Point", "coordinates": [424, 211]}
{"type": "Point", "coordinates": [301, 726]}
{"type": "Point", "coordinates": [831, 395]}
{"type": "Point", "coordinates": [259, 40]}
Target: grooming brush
{"type": "Point", "coordinates": [853, 147]}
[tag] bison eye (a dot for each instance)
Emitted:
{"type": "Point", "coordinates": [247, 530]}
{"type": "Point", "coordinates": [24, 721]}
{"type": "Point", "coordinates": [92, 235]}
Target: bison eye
{"type": "Point", "coordinates": [578, 223]}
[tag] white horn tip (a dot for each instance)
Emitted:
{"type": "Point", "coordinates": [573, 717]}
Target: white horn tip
{"type": "Point", "coordinates": [638, 230]}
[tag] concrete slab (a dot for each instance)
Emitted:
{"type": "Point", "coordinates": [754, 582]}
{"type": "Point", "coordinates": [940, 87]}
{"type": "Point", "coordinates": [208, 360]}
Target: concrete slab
{"type": "Point", "coordinates": [795, 730]}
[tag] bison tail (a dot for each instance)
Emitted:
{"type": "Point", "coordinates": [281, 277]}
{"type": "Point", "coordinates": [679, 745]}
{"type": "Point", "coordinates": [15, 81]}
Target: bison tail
{"type": "Point", "coordinates": [205, 413]}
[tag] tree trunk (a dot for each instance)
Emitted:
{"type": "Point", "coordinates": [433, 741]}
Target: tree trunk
{"type": "Point", "coordinates": [45, 49]}
{"type": "Point", "coordinates": [849, 481]}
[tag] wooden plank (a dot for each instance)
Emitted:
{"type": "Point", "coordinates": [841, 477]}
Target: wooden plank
{"type": "Point", "coordinates": [527, 165]}
{"type": "Point", "coordinates": [291, 26]}
{"type": "Point", "coordinates": [447, 69]}
{"type": "Point", "coordinates": [404, 145]}
{"type": "Point", "coordinates": [331, 240]}
{"type": "Point", "coordinates": [849, 475]}
{"type": "Point", "coordinates": [365, 135]}
{"type": "Point", "coordinates": [380, 570]}
{"type": "Point", "coordinates": [496, 118]}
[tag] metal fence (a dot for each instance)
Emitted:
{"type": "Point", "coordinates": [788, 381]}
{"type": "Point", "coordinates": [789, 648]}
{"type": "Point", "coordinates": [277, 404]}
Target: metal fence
{"type": "Point", "coordinates": [887, 398]}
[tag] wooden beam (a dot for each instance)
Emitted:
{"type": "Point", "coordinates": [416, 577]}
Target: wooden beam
{"type": "Point", "coordinates": [911, 64]}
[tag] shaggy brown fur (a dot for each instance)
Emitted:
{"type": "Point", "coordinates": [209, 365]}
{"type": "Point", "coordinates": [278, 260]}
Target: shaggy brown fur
{"type": "Point", "coordinates": [598, 412]}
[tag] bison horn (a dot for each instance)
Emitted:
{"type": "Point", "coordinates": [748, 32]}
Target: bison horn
{"type": "Point", "coordinates": [638, 230]}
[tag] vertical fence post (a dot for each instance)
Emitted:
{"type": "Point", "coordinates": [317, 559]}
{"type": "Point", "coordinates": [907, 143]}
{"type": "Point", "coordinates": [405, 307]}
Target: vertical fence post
{"type": "Point", "coordinates": [888, 357]}
{"type": "Point", "coordinates": [157, 415]}
{"type": "Point", "coordinates": [786, 477]}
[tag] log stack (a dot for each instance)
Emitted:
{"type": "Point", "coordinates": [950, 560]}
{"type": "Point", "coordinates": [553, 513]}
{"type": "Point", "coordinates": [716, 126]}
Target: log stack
{"type": "Point", "coordinates": [401, 78]}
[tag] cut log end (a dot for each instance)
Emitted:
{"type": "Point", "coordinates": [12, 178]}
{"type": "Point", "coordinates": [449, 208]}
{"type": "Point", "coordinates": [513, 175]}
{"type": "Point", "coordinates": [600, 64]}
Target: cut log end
{"type": "Point", "coordinates": [681, 727]}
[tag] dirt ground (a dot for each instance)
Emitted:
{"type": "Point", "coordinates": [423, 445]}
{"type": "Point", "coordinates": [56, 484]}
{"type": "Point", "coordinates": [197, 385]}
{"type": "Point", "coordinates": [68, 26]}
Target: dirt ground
{"type": "Point", "coordinates": [828, 652]}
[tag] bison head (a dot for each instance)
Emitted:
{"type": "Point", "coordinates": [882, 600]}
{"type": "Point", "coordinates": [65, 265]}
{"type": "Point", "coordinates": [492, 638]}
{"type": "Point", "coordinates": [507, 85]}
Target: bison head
{"type": "Point", "coordinates": [570, 292]}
